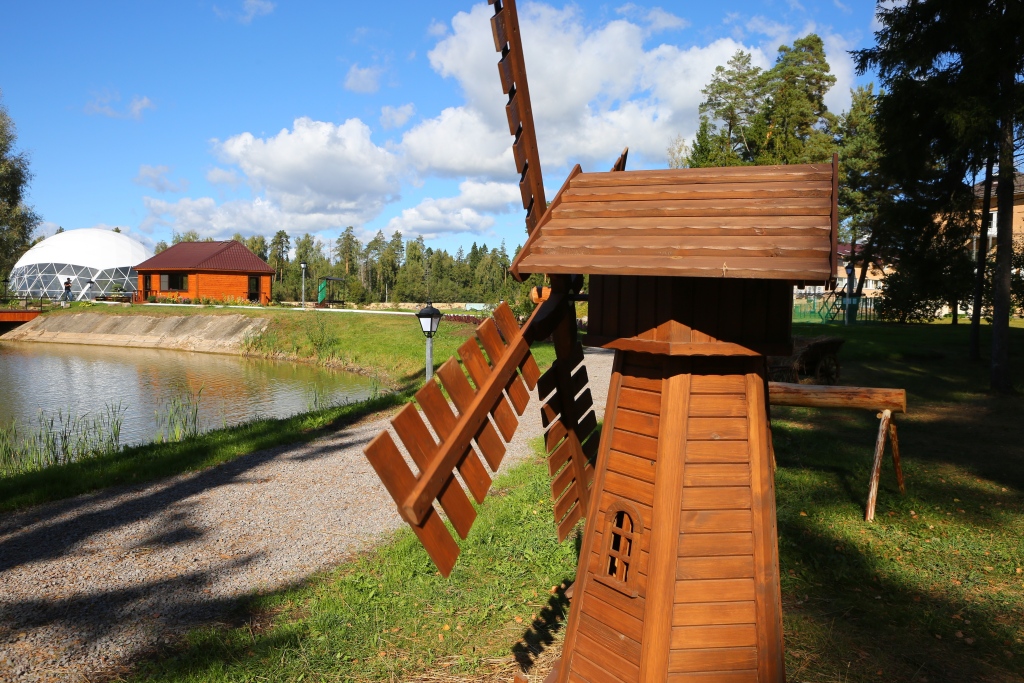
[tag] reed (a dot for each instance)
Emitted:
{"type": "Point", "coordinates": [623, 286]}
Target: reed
{"type": "Point", "coordinates": [178, 418]}
{"type": "Point", "coordinates": [60, 438]}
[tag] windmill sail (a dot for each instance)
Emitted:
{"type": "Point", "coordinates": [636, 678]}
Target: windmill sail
{"type": "Point", "coordinates": [512, 71]}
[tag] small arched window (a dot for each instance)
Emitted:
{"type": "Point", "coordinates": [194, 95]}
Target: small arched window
{"type": "Point", "coordinates": [623, 529]}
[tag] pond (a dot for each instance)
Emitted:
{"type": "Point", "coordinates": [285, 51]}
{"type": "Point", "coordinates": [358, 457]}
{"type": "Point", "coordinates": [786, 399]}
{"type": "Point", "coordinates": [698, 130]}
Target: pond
{"type": "Point", "coordinates": [38, 377]}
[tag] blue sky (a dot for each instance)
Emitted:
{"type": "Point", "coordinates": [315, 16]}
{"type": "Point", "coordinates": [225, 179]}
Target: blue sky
{"type": "Point", "coordinates": [256, 115]}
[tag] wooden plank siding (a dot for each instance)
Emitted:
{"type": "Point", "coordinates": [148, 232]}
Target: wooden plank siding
{"type": "Point", "coordinates": [682, 443]}
{"type": "Point", "coordinates": [690, 316]}
{"type": "Point", "coordinates": [206, 285]}
{"type": "Point", "coordinates": [754, 222]}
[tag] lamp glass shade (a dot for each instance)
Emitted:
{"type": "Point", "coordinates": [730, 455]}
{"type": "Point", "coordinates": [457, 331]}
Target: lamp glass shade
{"type": "Point", "coordinates": [302, 265]}
{"type": "Point", "coordinates": [429, 317]}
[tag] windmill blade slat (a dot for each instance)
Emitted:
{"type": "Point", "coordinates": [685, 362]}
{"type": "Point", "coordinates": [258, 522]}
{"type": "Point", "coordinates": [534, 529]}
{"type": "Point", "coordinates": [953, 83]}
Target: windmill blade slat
{"type": "Point", "coordinates": [512, 71]}
{"type": "Point", "coordinates": [415, 494]}
{"type": "Point", "coordinates": [566, 526]}
{"type": "Point", "coordinates": [443, 420]}
{"type": "Point", "coordinates": [389, 465]}
{"type": "Point", "coordinates": [554, 436]}
{"type": "Point", "coordinates": [490, 335]}
{"type": "Point", "coordinates": [476, 364]}
{"type": "Point", "coordinates": [509, 327]}
{"type": "Point", "coordinates": [471, 420]}
{"type": "Point", "coordinates": [417, 440]}
{"type": "Point", "coordinates": [462, 394]}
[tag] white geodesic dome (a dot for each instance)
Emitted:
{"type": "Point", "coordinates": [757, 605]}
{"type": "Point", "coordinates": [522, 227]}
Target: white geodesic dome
{"type": "Point", "coordinates": [104, 257]}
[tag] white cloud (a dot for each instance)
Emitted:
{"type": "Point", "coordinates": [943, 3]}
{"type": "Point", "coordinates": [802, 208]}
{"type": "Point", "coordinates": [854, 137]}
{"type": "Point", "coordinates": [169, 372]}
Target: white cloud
{"type": "Point", "coordinates": [463, 213]}
{"type": "Point", "coordinates": [363, 80]}
{"type": "Point", "coordinates": [845, 9]}
{"type": "Point", "coordinates": [249, 11]}
{"type": "Point", "coordinates": [655, 18]}
{"type": "Point", "coordinates": [255, 8]}
{"type": "Point", "coordinates": [155, 177]}
{"type": "Point", "coordinates": [594, 92]}
{"type": "Point", "coordinates": [210, 219]}
{"type": "Point", "coordinates": [223, 176]}
{"type": "Point", "coordinates": [103, 103]}
{"type": "Point", "coordinates": [315, 176]}
{"type": "Point", "coordinates": [396, 117]}
{"type": "Point", "coordinates": [437, 28]}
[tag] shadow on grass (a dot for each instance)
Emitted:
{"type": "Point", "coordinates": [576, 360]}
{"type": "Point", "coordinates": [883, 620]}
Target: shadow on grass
{"type": "Point", "coordinates": [541, 633]}
{"type": "Point", "coordinates": [930, 591]}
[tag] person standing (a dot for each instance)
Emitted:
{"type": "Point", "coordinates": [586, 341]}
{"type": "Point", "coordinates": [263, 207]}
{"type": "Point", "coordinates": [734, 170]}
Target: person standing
{"type": "Point", "coordinates": [67, 289]}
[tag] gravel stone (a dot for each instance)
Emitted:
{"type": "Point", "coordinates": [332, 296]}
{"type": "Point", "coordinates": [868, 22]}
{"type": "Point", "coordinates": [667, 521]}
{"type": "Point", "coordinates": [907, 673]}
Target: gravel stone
{"type": "Point", "coordinates": [90, 584]}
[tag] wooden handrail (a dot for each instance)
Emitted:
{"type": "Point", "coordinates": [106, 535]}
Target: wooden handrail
{"type": "Point", "coordinates": [818, 396]}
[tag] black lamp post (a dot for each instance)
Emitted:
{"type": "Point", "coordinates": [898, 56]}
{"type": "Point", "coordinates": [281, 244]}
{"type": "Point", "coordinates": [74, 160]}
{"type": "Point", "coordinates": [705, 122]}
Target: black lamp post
{"type": "Point", "coordinates": [7, 281]}
{"type": "Point", "coordinates": [429, 317]}
{"type": "Point", "coordinates": [303, 264]}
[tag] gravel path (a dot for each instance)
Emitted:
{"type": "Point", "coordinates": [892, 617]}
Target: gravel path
{"type": "Point", "coordinates": [89, 584]}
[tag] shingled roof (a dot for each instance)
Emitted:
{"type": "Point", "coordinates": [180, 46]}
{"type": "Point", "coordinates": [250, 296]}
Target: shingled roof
{"type": "Point", "coordinates": [226, 257]}
{"type": "Point", "coordinates": [766, 222]}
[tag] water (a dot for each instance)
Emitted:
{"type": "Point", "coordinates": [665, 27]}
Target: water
{"type": "Point", "coordinates": [54, 377]}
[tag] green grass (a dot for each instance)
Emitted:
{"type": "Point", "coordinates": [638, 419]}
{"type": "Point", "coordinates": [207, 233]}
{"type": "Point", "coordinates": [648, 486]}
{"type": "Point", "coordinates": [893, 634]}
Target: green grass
{"type": "Point", "coordinates": [928, 592]}
{"type": "Point", "coordinates": [388, 614]}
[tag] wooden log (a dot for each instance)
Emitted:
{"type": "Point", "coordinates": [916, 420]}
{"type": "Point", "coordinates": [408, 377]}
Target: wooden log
{"type": "Point", "coordinates": [818, 396]}
{"type": "Point", "coordinates": [876, 466]}
{"type": "Point", "coordinates": [896, 457]}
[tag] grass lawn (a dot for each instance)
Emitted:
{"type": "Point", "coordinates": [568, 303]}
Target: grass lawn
{"type": "Point", "coordinates": [933, 590]}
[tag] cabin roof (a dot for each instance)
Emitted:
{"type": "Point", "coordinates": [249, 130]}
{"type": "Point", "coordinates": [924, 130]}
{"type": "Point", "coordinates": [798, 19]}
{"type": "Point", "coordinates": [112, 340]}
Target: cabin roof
{"type": "Point", "coordinates": [227, 257]}
{"type": "Point", "coordinates": [763, 222]}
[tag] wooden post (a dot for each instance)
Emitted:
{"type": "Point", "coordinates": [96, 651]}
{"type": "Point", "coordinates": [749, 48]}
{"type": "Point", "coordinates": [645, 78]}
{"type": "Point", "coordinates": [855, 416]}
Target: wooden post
{"type": "Point", "coordinates": [876, 465]}
{"type": "Point", "coordinates": [896, 457]}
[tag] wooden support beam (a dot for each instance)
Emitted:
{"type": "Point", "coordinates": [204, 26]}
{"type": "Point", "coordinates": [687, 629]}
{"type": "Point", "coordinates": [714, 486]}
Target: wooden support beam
{"type": "Point", "coordinates": [896, 457]}
{"type": "Point", "coordinates": [876, 465]}
{"type": "Point", "coordinates": [818, 396]}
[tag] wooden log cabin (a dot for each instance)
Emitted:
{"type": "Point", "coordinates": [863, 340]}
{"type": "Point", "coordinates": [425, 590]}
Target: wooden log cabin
{"type": "Point", "coordinates": [221, 271]}
{"type": "Point", "coordinates": [691, 274]}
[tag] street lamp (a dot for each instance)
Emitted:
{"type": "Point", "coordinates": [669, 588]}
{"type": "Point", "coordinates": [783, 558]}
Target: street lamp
{"type": "Point", "coordinates": [303, 264]}
{"type": "Point", "coordinates": [849, 290]}
{"type": "Point", "coordinates": [7, 281]}
{"type": "Point", "coordinates": [429, 318]}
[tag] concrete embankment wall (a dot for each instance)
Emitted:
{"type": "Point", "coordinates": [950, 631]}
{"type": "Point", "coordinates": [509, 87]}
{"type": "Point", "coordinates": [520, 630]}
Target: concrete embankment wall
{"type": "Point", "coordinates": [205, 333]}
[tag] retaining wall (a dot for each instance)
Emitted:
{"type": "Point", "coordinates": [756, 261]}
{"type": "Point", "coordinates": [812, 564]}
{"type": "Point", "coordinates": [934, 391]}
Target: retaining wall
{"type": "Point", "coordinates": [205, 333]}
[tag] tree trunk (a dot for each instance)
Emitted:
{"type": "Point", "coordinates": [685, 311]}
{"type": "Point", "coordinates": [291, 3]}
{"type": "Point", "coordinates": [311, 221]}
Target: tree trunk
{"type": "Point", "coordinates": [982, 260]}
{"type": "Point", "coordinates": [954, 306]}
{"type": "Point", "coordinates": [1001, 377]}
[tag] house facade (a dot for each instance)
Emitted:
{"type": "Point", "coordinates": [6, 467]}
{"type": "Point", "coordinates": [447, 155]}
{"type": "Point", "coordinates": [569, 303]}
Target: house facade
{"type": "Point", "coordinates": [1018, 211]}
{"type": "Point", "coordinates": [221, 271]}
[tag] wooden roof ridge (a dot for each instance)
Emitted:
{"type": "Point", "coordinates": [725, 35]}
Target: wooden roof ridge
{"type": "Point", "coordinates": [774, 222]}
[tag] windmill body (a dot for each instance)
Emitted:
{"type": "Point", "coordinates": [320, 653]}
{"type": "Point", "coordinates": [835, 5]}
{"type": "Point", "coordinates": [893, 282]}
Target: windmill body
{"type": "Point", "coordinates": [691, 275]}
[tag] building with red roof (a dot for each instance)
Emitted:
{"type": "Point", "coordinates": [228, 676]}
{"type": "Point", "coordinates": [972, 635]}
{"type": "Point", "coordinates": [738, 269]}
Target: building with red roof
{"type": "Point", "coordinates": [206, 270]}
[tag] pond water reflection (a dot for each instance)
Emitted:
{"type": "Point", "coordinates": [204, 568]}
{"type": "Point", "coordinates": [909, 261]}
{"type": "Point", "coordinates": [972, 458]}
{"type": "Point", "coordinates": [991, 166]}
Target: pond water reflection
{"type": "Point", "coordinates": [52, 377]}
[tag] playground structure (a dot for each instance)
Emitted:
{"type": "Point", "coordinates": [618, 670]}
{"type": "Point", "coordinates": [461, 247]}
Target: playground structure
{"type": "Point", "coordinates": [325, 294]}
{"type": "Point", "coordinates": [691, 283]}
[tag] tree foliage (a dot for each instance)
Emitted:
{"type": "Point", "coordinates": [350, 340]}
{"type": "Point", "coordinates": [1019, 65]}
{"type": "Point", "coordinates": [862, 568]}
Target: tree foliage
{"type": "Point", "coordinates": [17, 220]}
{"type": "Point", "coordinates": [752, 116]}
{"type": "Point", "coordinates": [952, 72]}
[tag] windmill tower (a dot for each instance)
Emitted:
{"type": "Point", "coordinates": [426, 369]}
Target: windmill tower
{"type": "Point", "coordinates": [691, 274]}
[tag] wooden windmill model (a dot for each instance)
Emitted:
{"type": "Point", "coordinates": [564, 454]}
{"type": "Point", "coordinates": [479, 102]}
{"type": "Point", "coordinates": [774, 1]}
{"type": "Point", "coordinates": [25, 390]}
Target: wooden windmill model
{"type": "Point", "coordinates": [691, 279]}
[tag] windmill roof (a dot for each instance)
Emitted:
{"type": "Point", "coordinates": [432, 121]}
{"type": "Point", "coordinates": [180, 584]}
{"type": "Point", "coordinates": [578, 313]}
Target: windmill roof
{"type": "Point", "coordinates": [765, 222]}
{"type": "Point", "coordinates": [230, 257]}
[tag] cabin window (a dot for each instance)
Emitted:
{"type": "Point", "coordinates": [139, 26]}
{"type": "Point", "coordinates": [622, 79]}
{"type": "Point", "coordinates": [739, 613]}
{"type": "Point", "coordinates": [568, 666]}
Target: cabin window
{"type": "Point", "coordinates": [174, 282]}
{"type": "Point", "coordinates": [622, 530]}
